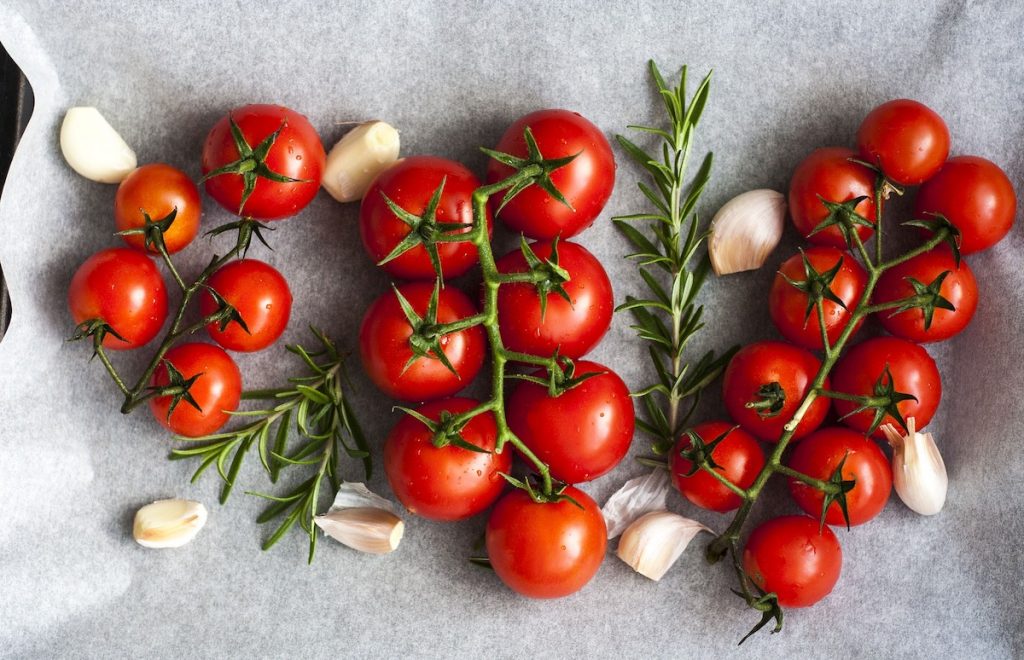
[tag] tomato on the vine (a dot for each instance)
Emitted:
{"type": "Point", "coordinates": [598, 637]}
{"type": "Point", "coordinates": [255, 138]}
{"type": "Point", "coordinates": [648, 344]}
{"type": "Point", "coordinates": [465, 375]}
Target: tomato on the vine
{"type": "Point", "coordinates": [738, 456]}
{"type": "Point", "coordinates": [157, 190]}
{"type": "Point", "coordinates": [216, 390]}
{"type": "Point", "coordinates": [829, 173]}
{"type": "Point", "coordinates": [261, 297]}
{"type": "Point", "coordinates": [906, 139]}
{"type": "Point", "coordinates": [790, 557]}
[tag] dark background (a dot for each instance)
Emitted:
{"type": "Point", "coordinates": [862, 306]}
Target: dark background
{"type": "Point", "coordinates": [15, 108]}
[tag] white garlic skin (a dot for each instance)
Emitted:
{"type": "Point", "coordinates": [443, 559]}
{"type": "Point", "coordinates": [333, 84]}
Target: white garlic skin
{"type": "Point", "coordinates": [746, 230]}
{"type": "Point", "coordinates": [918, 471]}
{"type": "Point", "coordinates": [168, 523]}
{"type": "Point", "coordinates": [93, 148]}
{"type": "Point", "coordinates": [655, 540]}
{"type": "Point", "coordinates": [356, 160]}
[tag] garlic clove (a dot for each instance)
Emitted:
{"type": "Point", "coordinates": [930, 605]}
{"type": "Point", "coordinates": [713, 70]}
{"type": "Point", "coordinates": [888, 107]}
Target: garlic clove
{"type": "Point", "coordinates": [93, 148]}
{"type": "Point", "coordinates": [918, 471]}
{"type": "Point", "coordinates": [653, 543]}
{"type": "Point", "coordinates": [168, 523]}
{"type": "Point", "coordinates": [362, 520]}
{"type": "Point", "coordinates": [636, 497]}
{"type": "Point", "coordinates": [746, 230]}
{"type": "Point", "coordinates": [356, 160]}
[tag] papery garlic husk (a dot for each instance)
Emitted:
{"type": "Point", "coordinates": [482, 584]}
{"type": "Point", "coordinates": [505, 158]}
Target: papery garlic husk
{"type": "Point", "coordinates": [918, 471]}
{"type": "Point", "coordinates": [168, 523]}
{"type": "Point", "coordinates": [356, 160]}
{"type": "Point", "coordinates": [93, 148]}
{"type": "Point", "coordinates": [655, 541]}
{"type": "Point", "coordinates": [637, 496]}
{"type": "Point", "coordinates": [746, 230]}
{"type": "Point", "coordinates": [362, 520]}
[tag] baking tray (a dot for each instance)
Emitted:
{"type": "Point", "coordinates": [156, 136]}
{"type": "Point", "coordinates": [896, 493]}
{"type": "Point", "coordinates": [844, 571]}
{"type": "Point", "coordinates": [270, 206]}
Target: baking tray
{"type": "Point", "coordinates": [15, 109]}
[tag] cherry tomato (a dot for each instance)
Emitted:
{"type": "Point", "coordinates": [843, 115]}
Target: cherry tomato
{"type": "Point", "coordinates": [581, 434]}
{"type": "Point", "coordinates": [546, 550]}
{"type": "Point", "coordinates": [819, 455]}
{"type": "Point", "coordinates": [573, 328]}
{"type": "Point", "coordinates": [158, 190]}
{"type": "Point", "coordinates": [124, 288]}
{"type": "Point", "coordinates": [450, 482]}
{"type": "Point", "coordinates": [261, 296]}
{"type": "Point", "coordinates": [829, 173]}
{"type": "Point", "coordinates": [913, 372]}
{"type": "Point", "coordinates": [586, 182]}
{"type": "Point", "coordinates": [740, 459]}
{"type": "Point", "coordinates": [410, 183]}
{"type": "Point", "coordinates": [386, 351]}
{"type": "Point", "coordinates": [959, 288]}
{"type": "Point", "coordinates": [790, 557]}
{"type": "Point", "coordinates": [976, 196]}
{"type": "Point", "coordinates": [775, 377]}
{"type": "Point", "coordinates": [787, 304]}
{"type": "Point", "coordinates": [906, 139]}
{"type": "Point", "coordinates": [217, 390]}
{"type": "Point", "coordinates": [296, 153]}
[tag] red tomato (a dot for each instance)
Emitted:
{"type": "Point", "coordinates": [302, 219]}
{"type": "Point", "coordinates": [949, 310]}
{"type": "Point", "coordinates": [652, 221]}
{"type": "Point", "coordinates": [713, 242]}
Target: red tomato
{"type": "Point", "coordinates": [571, 328]}
{"type": "Point", "coordinates": [959, 288]}
{"type": "Point", "coordinates": [296, 153]}
{"type": "Point", "coordinates": [586, 182]}
{"type": "Point", "coordinates": [828, 173]}
{"type": "Point", "coordinates": [385, 349]}
{"type": "Point", "coordinates": [450, 482]}
{"type": "Point", "coordinates": [124, 288]}
{"type": "Point", "coordinates": [217, 390]}
{"type": "Point", "coordinates": [819, 455]}
{"type": "Point", "coordinates": [906, 139]}
{"type": "Point", "coordinates": [410, 183]}
{"type": "Point", "coordinates": [582, 433]}
{"type": "Point", "coordinates": [739, 456]}
{"type": "Point", "coordinates": [976, 196]}
{"type": "Point", "coordinates": [913, 372]}
{"type": "Point", "coordinates": [754, 369]}
{"type": "Point", "coordinates": [157, 190]}
{"type": "Point", "coordinates": [261, 296]}
{"type": "Point", "coordinates": [790, 557]}
{"type": "Point", "coordinates": [546, 550]}
{"type": "Point", "coordinates": [787, 304]}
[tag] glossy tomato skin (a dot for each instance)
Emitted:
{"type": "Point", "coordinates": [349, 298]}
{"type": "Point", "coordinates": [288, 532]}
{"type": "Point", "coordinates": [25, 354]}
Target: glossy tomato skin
{"type": "Point", "coordinates": [913, 372]}
{"type": "Point", "coordinates": [261, 296]}
{"type": "Point", "coordinates": [788, 556]}
{"type": "Point", "coordinates": [586, 182]}
{"type": "Point", "coordinates": [124, 288]}
{"type": "Point", "coordinates": [158, 189]}
{"type": "Point", "coordinates": [445, 483]}
{"type": "Point", "coordinates": [571, 328]}
{"type": "Point", "coordinates": [739, 456]}
{"type": "Point", "coordinates": [217, 390]}
{"type": "Point", "coordinates": [959, 288]}
{"type": "Point", "coordinates": [819, 455]}
{"type": "Point", "coordinates": [828, 173]}
{"type": "Point", "coordinates": [582, 433]}
{"type": "Point", "coordinates": [763, 363]}
{"type": "Point", "coordinates": [384, 345]}
{"type": "Point", "coordinates": [547, 550]}
{"type": "Point", "coordinates": [410, 183]}
{"type": "Point", "coordinates": [908, 140]}
{"type": "Point", "coordinates": [296, 153]}
{"type": "Point", "coordinates": [787, 305]}
{"type": "Point", "coordinates": [976, 196]}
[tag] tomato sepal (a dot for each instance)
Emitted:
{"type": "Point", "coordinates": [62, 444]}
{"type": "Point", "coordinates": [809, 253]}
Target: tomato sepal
{"type": "Point", "coordinates": [700, 453]}
{"type": "Point", "coordinates": [534, 159]}
{"type": "Point", "coordinates": [177, 388]}
{"type": "Point", "coordinates": [768, 605]}
{"type": "Point", "coordinates": [538, 495]}
{"type": "Point", "coordinates": [447, 430]}
{"type": "Point", "coordinates": [548, 277]}
{"type": "Point", "coordinates": [938, 223]}
{"type": "Point", "coordinates": [885, 401]}
{"type": "Point", "coordinates": [247, 228]}
{"type": "Point", "coordinates": [817, 285]}
{"type": "Point", "coordinates": [152, 231]}
{"type": "Point", "coordinates": [838, 495]}
{"type": "Point", "coordinates": [423, 341]}
{"type": "Point", "coordinates": [771, 399]}
{"type": "Point", "coordinates": [844, 217]}
{"type": "Point", "coordinates": [927, 298]}
{"type": "Point", "coordinates": [97, 329]}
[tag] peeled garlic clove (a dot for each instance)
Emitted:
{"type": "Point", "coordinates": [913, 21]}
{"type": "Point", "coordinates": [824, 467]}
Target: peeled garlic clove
{"type": "Point", "coordinates": [168, 523]}
{"type": "Point", "coordinates": [356, 160]}
{"type": "Point", "coordinates": [918, 471]}
{"type": "Point", "coordinates": [636, 497]}
{"type": "Point", "coordinates": [655, 541]}
{"type": "Point", "coordinates": [362, 520]}
{"type": "Point", "coordinates": [746, 230]}
{"type": "Point", "coordinates": [93, 148]}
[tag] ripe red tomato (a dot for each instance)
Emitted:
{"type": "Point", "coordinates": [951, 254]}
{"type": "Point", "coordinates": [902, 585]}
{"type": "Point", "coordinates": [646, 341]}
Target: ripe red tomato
{"type": "Point", "coordinates": [913, 372]}
{"type": "Point", "coordinates": [790, 557]}
{"type": "Point", "coordinates": [546, 550]}
{"type": "Point", "coordinates": [385, 349]}
{"type": "Point", "coordinates": [217, 390]}
{"type": "Point", "coordinates": [829, 173]}
{"type": "Point", "coordinates": [157, 190]}
{"type": "Point", "coordinates": [296, 153]}
{"type": "Point", "coordinates": [819, 455]}
{"type": "Point", "coordinates": [976, 196]}
{"type": "Point", "coordinates": [739, 456]}
{"type": "Point", "coordinates": [586, 182]}
{"type": "Point", "coordinates": [582, 433]}
{"type": "Point", "coordinates": [959, 288]}
{"type": "Point", "coordinates": [261, 296]}
{"type": "Point", "coordinates": [787, 304]}
{"type": "Point", "coordinates": [571, 328]}
{"type": "Point", "coordinates": [410, 183]}
{"type": "Point", "coordinates": [450, 482]}
{"type": "Point", "coordinates": [906, 139]}
{"type": "Point", "coordinates": [753, 370]}
{"type": "Point", "coordinates": [124, 288]}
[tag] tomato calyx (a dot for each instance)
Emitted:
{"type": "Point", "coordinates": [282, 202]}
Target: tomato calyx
{"type": "Point", "coordinates": [771, 399]}
{"type": "Point", "coordinates": [817, 285]}
{"type": "Point", "coordinates": [561, 376]}
{"type": "Point", "coordinates": [447, 430]}
{"type": "Point", "coordinates": [537, 493]}
{"type": "Point", "coordinates": [152, 230]}
{"type": "Point", "coordinates": [844, 217]}
{"type": "Point", "coordinates": [547, 276]}
{"type": "Point", "coordinates": [939, 223]}
{"type": "Point", "coordinates": [178, 388]}
{"type": "Point", "coordinates": [97, 329]}
{"type": "Point", "coordinates": [226, 313]}
{"type": "Point", "coordinates": [700, 453]}
{"type": "Point", "coordinates": [768, 605]}
{"type": "Point", "coordinates": [425, 340]}
{"type": "Point", "coordinates": [884, 186]}
{"type": "Point", "coordinates": [247, 228]}
{"type": "Point", "coordinates": [544, 167]}
{"type": "Point", "coordinates": [885, 401]}
{"type": "Point", "coordinates": [927, 298]}
{"type": "Point", "coordinates": [837, 494]}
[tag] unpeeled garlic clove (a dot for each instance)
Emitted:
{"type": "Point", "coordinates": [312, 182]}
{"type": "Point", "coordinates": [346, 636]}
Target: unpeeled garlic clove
{"type": "Point", "coordinates": [93, 148]}
{"type": "Point", "coordinates": [168, 523]}
{"type": "Point", "coordinates": [746, 230]}
{"type": "Point", "coordinates": [655, 541]}
{"type": "Point", "coordinates": [636, 497]}
{"type": "Point", "coordinates": [918, 471]}
{"type": "Point", "coordinates": [356, 160]}
{"type": "Point", "coordinates": [362, 520]}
